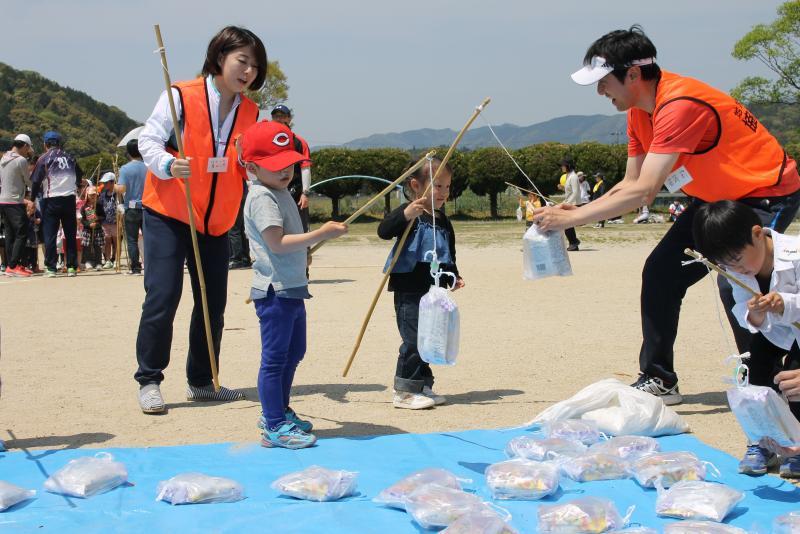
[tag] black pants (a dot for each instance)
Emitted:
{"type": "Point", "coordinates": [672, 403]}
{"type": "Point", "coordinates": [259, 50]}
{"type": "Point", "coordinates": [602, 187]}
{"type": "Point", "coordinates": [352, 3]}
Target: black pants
{"type": "Point", "coordinates": [572, 237]}
{"type": "Point", "coordinates": [133, 223]}
{"type": "Point", "coordinates": [767, 360]}
{"type": "Point", "coordinates": [16, 225]}
{"type": "Point", "coordinates": [412, 372]}
{"type": "Point", "coordinates": [55, 211]}
{"type": "Point", "coordinates": [167, 243]}
{"type": "Point", "coordinates": [240, 246]}
{"type": "Point", "coordinates": [665, 281]}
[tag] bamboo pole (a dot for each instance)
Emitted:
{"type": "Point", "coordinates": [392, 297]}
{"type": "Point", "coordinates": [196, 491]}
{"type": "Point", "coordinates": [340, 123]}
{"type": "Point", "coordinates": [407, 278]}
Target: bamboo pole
{"type": "Point", "coordinates": [119, 218]}
{"type": "Point", "coordinates": [402, 241]}
{"type": "Point", "coordinates": [192, 228]}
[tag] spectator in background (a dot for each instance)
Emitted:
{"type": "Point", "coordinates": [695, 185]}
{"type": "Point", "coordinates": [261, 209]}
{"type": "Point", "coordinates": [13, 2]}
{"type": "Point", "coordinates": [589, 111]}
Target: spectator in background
{"type": "Point", "coordinates": [14, 180]}
{"type": "Point", "coordinates": [586, 190]}
{"type": "Point", "coordinates": [131, 185]}
{"type": "Point", "coordinates": [108, 200]}
{"type": "Point", "coordinates": [300, 185]}
{"type": "Point", "coordinates": [92, 237]}
{"type": "Point", "coordinates": [675, 209]}
{"type": "Point", "coordinates": [572, 195]}
{"type": "Point", "coordinates": [598, 191]}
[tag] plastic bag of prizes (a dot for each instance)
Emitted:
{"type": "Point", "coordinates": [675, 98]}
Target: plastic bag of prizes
{"type": "Point", "coordinates": [627, 447]}
{"type": "Point", "coordinates": [197, 488]}
{"type": "Point", "coordinates": [11, 495]}
{"type": "Point", "coordinates": [701, 527]}
{"type": "Point", "coordinates": [595, 466]}
{"type": "Point", "coordinates": [484, 520]}
{"type": "Point", "coordinates": [438, 328]}
{"type": "Point", "coordinates": [761, 412]}
{"type": "Point", "coordinates": [397, 494]}
{"type": "Point", "coordinates": [667, 468]}
{"type": "Point", "coordinates": [543, 449]}
{"type": "Point", "coordinates": [316, 483]}
{"type": "Point", "coordinates": [544, 254]}
{"type": "Point", "coordinates": [786, 523]}
{"type": "Point", "coordinates": [696, 499]}
{"type": "Point", "coordinates": [587, 515]}
{"type": "Point", "coordinates": [87, 476]}
{"type": "Point", "coordinates": [433, 506]}
{"type": "Point", "coordinates": [522, 479]}
{"type": "Point", "coordinates": [572, 429]}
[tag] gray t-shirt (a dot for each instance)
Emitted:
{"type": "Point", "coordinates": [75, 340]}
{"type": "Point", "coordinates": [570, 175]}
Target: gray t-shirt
{"type": "Point", "coordinates": [286, 273]}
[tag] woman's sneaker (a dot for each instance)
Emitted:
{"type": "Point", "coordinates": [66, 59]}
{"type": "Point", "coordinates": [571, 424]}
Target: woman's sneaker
{"type": "Point", "coordinates": [790, 467]}
{"type": "Point", "coordinates": [757, 461]}
{"type": "Point", "coordinates": [287, 436]}
{"type": "Point", "coordinates": [292, 417]}
{"type": "Point", "coordinates": [438, 400]}
{"type": "Point", "coordinates": [207, 393]}
{"type": "Point", "coordinates": [412, 401]}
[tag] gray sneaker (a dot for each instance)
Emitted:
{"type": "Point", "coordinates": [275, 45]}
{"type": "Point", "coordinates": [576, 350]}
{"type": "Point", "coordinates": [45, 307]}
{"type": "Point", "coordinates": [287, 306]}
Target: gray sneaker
{"type": "Point", "coordinates": [207, 393]}
{"type": "Point", "coordinates": [150, 399]}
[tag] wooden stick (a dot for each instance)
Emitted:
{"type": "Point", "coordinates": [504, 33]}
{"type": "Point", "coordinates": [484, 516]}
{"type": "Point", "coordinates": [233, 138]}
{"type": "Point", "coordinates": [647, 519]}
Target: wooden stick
{"type": "Point", "coordinates": [378, 196]}
{"type": "Point", "coordinates": [522, 189]}
{"type": "Point", "coordinates": [402, 241]}
{"type": "Point", "coordinates": [726, 274]}
{"type": "Point", "coordinates": [119, 218]}
{"type": "Point", "coordinates": [197, 260]}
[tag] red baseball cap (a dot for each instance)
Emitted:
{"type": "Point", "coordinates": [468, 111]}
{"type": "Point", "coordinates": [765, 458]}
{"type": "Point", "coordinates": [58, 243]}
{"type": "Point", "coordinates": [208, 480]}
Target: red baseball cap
{"type": "Point", "coordinates": [270, 145]}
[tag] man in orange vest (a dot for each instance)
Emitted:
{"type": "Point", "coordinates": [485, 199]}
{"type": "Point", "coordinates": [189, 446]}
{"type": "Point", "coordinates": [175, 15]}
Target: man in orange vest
{"type": "Point", "coordinates": [685, 135]}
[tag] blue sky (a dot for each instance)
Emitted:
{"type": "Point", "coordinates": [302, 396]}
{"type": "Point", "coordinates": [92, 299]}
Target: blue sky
{"type": "Point", "coordinates": [362, 67]}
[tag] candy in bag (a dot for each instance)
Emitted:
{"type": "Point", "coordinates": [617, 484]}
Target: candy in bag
{"type": "Point", "coordinates": [316, 483]}
{"type": "Point", "coordinates": [543, 449]}
{"type": "Point", "coordinates": [786, 523]}
{"type": "Point", "coordinates": [522, 479]}
{"type": "Point", "coordinates": [544, 254]}
{"type": "Point", "coordinates": [595, 466]}
{"type": "Point", "coordinates": [667, 468]}
{"type": "Point", "coordinates": [701, 527]}
{"type": "Point", "coordinates": [585, 515]}
{"type": "Point", "coordinates": [87, 476]}
{"type": "Point", "coordinates": [761, 412]}
{"type": "Point", "coordinates": [572, 429]}
{"type": "Point", "coordinates": [434, 506]}
{"type": "Point", "coordinates": [11, 495]}
{"type": "Point", "coordinates": [483, 520]}
{"type": "Point", "coordinates": [438, 328]}
{"type": "Point", "coordinates": [627, 447]}
{"type": "Point", "coordinates": [697, 500]}
{"type": "Point", "coordinates": [397, 494]}
{"type": "Point", "coordinates": [197, 488]}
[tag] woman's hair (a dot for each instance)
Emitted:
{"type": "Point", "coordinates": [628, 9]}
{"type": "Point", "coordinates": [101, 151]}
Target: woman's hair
{"type": "Point", "coordinates": [621, 47]}
{"type": "Point", "coordinates": [226, 41]}
{"type": "Point", "coordinates": [423, 175]}
{"type": "Point", "coordinates": [569, 164]}
{"type": "Point", "coordinates": [721, 230]}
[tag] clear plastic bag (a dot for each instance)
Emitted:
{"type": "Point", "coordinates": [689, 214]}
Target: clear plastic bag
{"type": "Point", "coordinates": [786, 523]}
{"type": "Point", "coordinates": [544, 254]}
{"type": "Point", "coordinates": [572, 429]}
{"type": "Point", "coordinates": [316, 483]}
{"type": "Point", "coordinates": [484, 520]}
{"type": "Point", "coordinates": [438, 328]}
{"type": "Point", "coordinates": [637, 530]}
{"type": "Point", "coordinates": [761, 412]}
{"type": "Point", "coordinates": [11, 495]}
{"type": "Point", "coordinates": [667, 468]}
{"type": "Point", "coordinates": [627, 447]}
{"type": "Point", "coordinates": [522, 479]}
{"type": "Point", "coordinates": [697, 500]}
{"type": "Point", "coordinates": [197, 488]}
{"type": "Point", "coordinates": [434, 506]}
{"type": "Point", "coordinates": [544, 449]}
{"type": "Point", "coordinates": [595, 466]}
{"type": "Point", "coordinates": [87, 476]}
{"type": "Point", "coordinates": [701, 527]}
{"type": "Point", "coordinates": [397, 494]}
{"type": "Point", "coordinates": [586, 515]}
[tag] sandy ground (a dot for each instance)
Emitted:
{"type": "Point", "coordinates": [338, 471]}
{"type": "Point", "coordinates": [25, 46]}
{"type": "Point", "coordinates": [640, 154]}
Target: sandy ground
{"type": "Point", "coordinates": [68, 348]}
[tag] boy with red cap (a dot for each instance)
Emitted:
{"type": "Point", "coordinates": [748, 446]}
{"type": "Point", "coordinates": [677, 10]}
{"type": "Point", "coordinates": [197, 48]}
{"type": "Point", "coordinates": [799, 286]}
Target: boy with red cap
{"type": "Point", "coordinates": [278, 245]}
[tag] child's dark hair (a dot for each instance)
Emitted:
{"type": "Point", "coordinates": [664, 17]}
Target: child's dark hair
{"type": "Point", "coordinates": [229, 39]}
{"type": "Point", "coordinates": [620, 47]}
{"type": "Point", "coordinates": [721, 230]}
{"type": "Point", "coordinates": [423, 174]}
{"type": "Point", "coordinates": [132, 147]}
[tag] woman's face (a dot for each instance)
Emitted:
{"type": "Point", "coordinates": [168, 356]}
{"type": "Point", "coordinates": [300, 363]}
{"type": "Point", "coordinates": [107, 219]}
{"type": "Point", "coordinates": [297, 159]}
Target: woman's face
{"type": "Point", "coordinates": [238, 69]}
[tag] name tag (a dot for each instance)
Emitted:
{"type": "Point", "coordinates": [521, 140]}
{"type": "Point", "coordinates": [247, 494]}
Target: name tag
{"type": "Point", "coordinates": [217, 165]}
{"type": "Point", "coordinates": [132, 204]}
{"type": "Point", "coordinates": [679, 178]}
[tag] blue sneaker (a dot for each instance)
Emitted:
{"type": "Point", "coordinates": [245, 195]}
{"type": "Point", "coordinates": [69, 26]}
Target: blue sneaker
{"type": "Point", "coordinates": [292, 417]}
{"type": "Point", "coordinates": [790, 467]}
{"type": "Point", "coordinates": [287, 436]}
{"type": "Point", "coordinates": [757, 461]}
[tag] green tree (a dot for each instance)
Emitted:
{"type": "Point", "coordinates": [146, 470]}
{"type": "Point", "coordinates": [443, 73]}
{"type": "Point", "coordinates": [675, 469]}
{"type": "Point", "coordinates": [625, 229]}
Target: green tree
{"type": "Point", "coordinates": [330, 163]}
{"type": "Point", "coordinates": [490, 168]}
{"type": "Point", "coordinates": [776, 45]}
{"type": "Point", "coordinates": [542, 164]}
{"type": "Point", "coordinates": [275, 88]}
{"type": "Point", "coordinates": [387, 163]}
{"type": "Point", "coordinates": [592, 157]}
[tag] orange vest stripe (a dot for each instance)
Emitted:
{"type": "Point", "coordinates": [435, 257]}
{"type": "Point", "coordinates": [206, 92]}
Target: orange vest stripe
{"type": "Point", "coordinates": [744, 158]}
{"type": "Point", "coordinates": [216, 197]}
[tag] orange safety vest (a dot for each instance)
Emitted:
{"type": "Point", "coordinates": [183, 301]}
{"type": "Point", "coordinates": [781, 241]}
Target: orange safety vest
{"type": "Point", "coordinates": [216, 197]}
{"type": "Point", "coordinates": [744, 157]}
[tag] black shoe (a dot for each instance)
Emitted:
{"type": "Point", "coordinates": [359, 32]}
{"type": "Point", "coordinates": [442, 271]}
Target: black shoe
{"type": "Point", "coordinates": [236, 264]}
{"type": "Point", "coordinates": [572, 248]}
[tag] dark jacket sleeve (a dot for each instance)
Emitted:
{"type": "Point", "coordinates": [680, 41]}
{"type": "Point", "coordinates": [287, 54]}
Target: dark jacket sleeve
{"type": "Point", "coordinates": [452, 243]}
{"type": "Point", "coordinates": [394, 224]}
{"type": "Point", "coordinates": [38, 176]}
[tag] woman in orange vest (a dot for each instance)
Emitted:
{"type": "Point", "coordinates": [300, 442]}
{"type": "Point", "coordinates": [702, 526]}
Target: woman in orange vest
{"type": "Point", "coordinates": [684, 135]}
{"type": "Point", "coordinates": [212, 112]}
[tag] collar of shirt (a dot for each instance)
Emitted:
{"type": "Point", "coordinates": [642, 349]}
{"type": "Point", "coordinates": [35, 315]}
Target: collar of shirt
{"type": "Point", "coordinates": [220, 132]}
{"type": "Point", "coordinates": [786, 250]}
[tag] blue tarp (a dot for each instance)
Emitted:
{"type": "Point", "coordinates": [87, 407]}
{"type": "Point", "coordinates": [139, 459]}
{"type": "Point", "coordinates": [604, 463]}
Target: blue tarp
{"type": "Point", "coordinates": [380, 461]}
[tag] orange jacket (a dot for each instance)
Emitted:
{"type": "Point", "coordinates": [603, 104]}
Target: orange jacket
{"type": "Point", "coordinates": [745, 156]}
{"type": "Point", "coordinates": [216, 197]}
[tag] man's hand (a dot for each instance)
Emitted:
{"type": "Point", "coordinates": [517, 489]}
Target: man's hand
{"type": "Point", "coordinates": [554, 218]}
{"type": "Point", "coordinates": [303, 204]}
{"type": "Point", "coordinates": [789, 384]}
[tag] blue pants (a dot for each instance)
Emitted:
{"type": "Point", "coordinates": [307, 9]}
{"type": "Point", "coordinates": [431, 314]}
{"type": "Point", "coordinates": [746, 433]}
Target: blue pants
{"type": "Point", "coordinates": [283, 345]}
{"type": "Point", "coordinates": [412, 373]}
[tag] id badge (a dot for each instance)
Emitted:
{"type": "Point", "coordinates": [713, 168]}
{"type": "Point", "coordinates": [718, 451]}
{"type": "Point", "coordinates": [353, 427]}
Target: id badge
{"type": "Point", "coordinates": [216, 165]}
{"type": "Point", "coordinates": [678, 179]}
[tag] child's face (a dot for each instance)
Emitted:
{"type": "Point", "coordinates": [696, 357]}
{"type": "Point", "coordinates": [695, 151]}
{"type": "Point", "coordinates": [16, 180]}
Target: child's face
{"type": "Point", "coordinates": [750, 260]}
{"type": "Point", "coordinates": [440, 189]}
{"type": "Point", "coordinates": [273, 180]}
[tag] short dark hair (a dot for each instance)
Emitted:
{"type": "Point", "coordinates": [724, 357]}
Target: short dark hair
{"type": "Point", "coordinates": [568, 163]}
{"type": "Point", "coordinates": [133, 149]}
{"type": "Point", "coordinates": [423, 174]}
{"type": "Point", "coordinates": [620, 47]}
{"type": "Point", "coordinates": [722, 229]}
{"type": "Point", "coordinates": [18, 144]}
{"type": "Point", "coordinates": [229, 39]}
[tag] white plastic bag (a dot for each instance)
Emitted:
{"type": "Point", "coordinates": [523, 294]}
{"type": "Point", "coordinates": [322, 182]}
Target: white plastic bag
{"type": "Point", "coordinates": [11, 495]}
{"type": "Point", "coordinates": [595, 466]}
{"type": "Point", "coordinates": [667, 468]}
{"type": "Point", "coordinates": [627, 447]}
{"type": "Point", "coordinates": [316, 483]}
{"type": "Point", "coordinates": [544, 254]}
{"type": "Point", "coordinates": [701, 527]}
{"type": "Point", "coordinates": [761, 412]}
{"type": "Point", "coordinates": [438, 328]}
{"type": "Point", "coordinates": [543, 449]}
{"type": "Point", "coordinates": [483, 521]}
{"type": "Point", "coordinates": [87, 476]}
{"type": "Point", "coordinates": [522, 479]}
{"type": "Point", "coordinates": [697, 500]}
{"type": "Point", "coordinates": [585, 432]}
{"type": "Point", "coordinates": [519, 214]}
{"type": "Point", "coordinates": [197, 488]}
{"type": "Point", "coordinates": [397, 494]}
{"type": "Point", "coordinates": [637, 530]}
{"type": "Point", "coordinates": [786, 523]}
{"type": "Point", "coordinates": [618, 410]}
{"type": "Point", "coordinates": [434, 506]}
{"type": "Point", "coordinates": [586, 515]}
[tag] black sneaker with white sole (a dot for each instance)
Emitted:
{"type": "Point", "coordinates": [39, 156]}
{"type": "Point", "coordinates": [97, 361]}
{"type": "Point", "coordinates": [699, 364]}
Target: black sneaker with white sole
{"type": "Point", "coordinates": [656, 386]}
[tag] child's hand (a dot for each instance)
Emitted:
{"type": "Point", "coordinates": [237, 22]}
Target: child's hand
{"type": "Point", "coordinates": [93, 225]}
{"type": "Point", "coordinates": [333, 229]}
{"type": "Point", "coordinates": [772, 446]}
{"type": "Point", "coordinates": [459, 284]}
{"type": "Point", "coordinates": [756, 314]}
{"type": "Point", "coordinates": [772, 302]}
{"type": "Point", "coordinates": [179, 168]}
{"type": "Point", "coordinates": [789, 384]}
{"type": "Point", "coordinates": [416, 208]}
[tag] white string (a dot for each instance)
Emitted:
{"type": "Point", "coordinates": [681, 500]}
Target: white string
{"type": "Point", "coordinates": [715, 297]}
{"type": "Point", "coordinates": [161, 52]}
{"type": "Point", "coordinates": [433, 213]}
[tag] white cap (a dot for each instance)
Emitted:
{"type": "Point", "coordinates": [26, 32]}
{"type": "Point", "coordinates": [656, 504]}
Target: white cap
{"type": "Point", "coordinates": [108, 177]}
{"type": "Point", "coordinates": [24, 138]}
{"type": "Point", "coordinates": [598, 68]}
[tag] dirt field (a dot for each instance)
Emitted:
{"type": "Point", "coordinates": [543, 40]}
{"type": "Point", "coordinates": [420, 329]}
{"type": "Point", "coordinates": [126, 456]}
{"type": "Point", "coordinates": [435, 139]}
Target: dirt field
{"type": "Point", "coordinates": [68, 348]}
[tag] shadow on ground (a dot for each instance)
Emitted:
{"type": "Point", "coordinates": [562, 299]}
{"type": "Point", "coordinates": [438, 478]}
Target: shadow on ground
{"type": "Point", "coordinates": [62, 442]}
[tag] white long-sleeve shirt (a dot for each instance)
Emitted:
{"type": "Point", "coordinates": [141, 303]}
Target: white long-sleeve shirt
{"type": "Point", "coordinates": [158, 129]}
{"type": "Point", "coordinates": [572, 189]}
{"type": "Point", "coordinates": [785, 281]}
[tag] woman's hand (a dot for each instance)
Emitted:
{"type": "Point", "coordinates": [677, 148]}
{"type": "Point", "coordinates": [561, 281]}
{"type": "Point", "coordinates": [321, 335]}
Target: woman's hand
{"type": "Point", "coordinates": [179, 168]}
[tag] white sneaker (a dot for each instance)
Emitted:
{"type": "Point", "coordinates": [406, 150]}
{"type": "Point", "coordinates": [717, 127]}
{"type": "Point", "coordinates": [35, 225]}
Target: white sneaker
{"type": "Point", "coordinates": [108, 265]}
{"type": "Point", "coordinates": [437, 399]}
{"type": "Point", "coordinates": [89, 266]}
{"type": "Point", "coordinates": [412, 401]}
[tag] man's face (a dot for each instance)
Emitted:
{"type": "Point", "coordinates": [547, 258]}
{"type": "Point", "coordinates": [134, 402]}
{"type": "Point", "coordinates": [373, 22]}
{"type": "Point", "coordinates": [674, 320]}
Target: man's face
{"type": "Point", "coordinates": [282, 118]}
{"type": "Point", "coordinates": [620, 93]}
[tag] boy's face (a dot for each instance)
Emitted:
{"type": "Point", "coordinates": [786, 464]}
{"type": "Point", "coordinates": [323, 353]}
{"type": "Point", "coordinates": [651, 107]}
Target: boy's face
{"type": "Point", "coordinates": [750, 260]}
{"type": "Point", "coordinates": [273, 180]}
